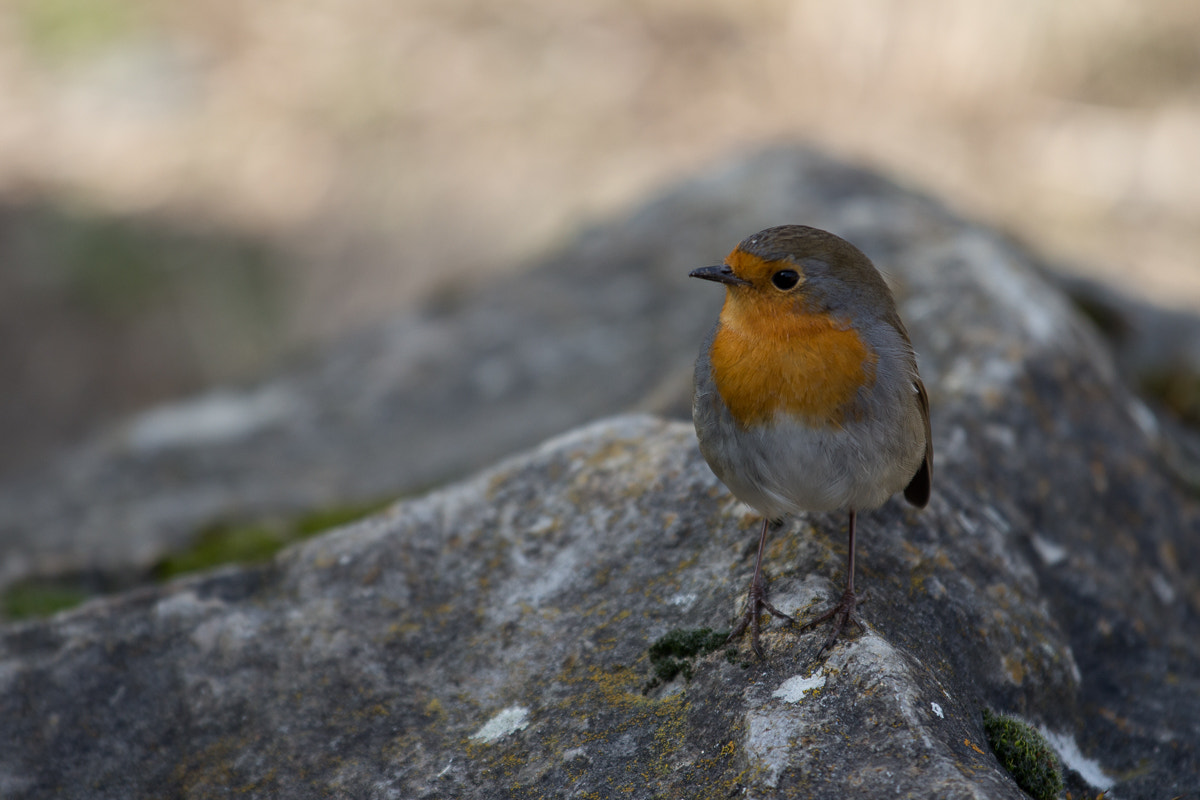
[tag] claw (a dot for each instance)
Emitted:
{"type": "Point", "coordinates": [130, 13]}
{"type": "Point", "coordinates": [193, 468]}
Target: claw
{"type": "Point", "coordinates": [842, 614]}
{"type": "Point", "coordinates": [756, 603]}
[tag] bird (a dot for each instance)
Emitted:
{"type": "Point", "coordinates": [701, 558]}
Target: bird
{"type": "Point", "coordinates": [807, 396]}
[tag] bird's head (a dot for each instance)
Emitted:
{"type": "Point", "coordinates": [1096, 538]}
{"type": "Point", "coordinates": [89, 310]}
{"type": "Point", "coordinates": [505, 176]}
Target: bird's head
{"type": "Point", "coordinates": [794, 269]}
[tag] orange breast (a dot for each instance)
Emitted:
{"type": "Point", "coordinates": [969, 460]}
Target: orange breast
{"type": "Point", "coordinates": [767, 360]}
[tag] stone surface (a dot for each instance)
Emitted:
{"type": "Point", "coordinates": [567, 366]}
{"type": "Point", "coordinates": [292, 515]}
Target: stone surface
{"type": "Point", "coordinates": [490, 639]}
{"type": "Point", "coordinates": [1158, 351]}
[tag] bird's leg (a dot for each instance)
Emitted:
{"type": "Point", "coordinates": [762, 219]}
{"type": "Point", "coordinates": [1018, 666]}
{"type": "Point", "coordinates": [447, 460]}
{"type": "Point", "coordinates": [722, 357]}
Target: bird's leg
{"type": "Point", "coordinates": [843, 613]}
{"type": "Point", "coordinates": [756, 601]}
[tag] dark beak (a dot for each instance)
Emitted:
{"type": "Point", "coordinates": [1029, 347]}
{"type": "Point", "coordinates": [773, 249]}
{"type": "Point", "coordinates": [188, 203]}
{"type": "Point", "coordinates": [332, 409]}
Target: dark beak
{"type": "Point", "coordinates": [721, 274]}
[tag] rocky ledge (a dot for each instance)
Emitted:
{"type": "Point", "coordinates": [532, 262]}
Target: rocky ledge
{"type": "Point", "coordinates": [538, 630]}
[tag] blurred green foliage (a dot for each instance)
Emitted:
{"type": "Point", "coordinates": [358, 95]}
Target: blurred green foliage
{"type": "Point", "coordinates": [59, 30]}
{"type": "Point", "coordinates": [120, 267]}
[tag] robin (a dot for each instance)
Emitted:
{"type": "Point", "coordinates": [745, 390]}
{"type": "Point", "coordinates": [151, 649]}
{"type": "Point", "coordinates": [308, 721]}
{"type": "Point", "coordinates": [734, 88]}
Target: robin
{"type": "Point", "coordinates": [807, 396]}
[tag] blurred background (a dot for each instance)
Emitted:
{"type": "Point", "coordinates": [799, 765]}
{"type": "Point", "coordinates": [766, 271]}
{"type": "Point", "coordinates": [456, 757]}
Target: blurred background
{"type": "Point", "coordinates": [190, 191]}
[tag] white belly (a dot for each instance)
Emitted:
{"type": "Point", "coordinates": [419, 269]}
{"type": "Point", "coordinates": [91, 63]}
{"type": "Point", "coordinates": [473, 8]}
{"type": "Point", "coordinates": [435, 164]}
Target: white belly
{"type": "Point", "coordinates": [788, 468]}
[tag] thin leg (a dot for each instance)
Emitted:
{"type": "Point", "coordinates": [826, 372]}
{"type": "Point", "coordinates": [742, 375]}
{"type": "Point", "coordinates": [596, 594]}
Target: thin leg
{"type": "Point", "coordinates": [756, 601]}
{"type": "Point", "coordinates": [843, 613]}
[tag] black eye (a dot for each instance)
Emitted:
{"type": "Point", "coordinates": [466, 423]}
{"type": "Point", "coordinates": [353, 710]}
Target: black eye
{"type": "Point", "coordinates": [785, 279]}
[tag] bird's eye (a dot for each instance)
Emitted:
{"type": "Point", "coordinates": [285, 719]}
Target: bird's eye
{"type": "Point", "coordinates": [785, 279]}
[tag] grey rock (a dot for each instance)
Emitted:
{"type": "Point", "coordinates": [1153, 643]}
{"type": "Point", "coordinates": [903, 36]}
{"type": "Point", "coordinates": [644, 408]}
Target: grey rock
{"type": "Point", "coordinates": [490, 639]}
{"type": "Point", "coordinates": [1145, 338]}
{"type": "Point", "coordinates": [1157, 350]}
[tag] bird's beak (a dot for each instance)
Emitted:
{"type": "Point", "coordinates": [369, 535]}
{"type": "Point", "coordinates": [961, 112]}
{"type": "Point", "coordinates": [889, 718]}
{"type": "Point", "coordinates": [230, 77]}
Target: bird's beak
{"type": "Point", "coordinates": [721, 274]}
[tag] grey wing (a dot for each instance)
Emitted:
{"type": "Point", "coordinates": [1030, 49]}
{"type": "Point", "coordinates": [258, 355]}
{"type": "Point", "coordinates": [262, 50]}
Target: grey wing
{"type": "Point", "coordinates": [918, 489]}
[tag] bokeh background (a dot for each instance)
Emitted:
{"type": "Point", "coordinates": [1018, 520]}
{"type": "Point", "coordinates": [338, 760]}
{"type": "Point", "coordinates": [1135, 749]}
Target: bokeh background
{"type": "Point", "coordinates": [191, 191]}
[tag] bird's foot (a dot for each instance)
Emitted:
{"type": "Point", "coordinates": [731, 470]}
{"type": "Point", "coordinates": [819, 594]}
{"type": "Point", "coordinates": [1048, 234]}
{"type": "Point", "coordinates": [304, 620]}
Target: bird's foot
{"type": "Point", "coordinates": [841, 615]}
{"type": "Point", "coordinates": [756, 603]}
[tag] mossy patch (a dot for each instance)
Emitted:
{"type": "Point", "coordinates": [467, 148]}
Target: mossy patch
{"type": "Point", "coordinates": [40, 598]}
{"type": "Point", "coordinates": [223, 544]}
{"type": "Point", "coordinates": [1026, 755]}
{"type": "Point", "coordinates": [254, 542]}
{"type": "Point", "coordinates": [672, 654]}
{"type": "Point", "coordinates": [324, 519]}
{"type": "Point", "coordinates": [214, 546]}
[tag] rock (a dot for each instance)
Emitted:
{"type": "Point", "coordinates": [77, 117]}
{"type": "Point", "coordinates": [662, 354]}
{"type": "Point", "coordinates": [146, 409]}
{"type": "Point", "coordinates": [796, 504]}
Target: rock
{"type": "Point", "coordinates": [1146, 340]}
{"type": "Point", "coordinates": [492, 639]}
{"type": "Point", "coordinates": [1158, 351]}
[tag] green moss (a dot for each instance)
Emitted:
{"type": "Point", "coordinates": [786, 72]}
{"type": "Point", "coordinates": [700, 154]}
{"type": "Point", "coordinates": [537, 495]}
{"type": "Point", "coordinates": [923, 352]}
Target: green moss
{"type": "Point", "coordinates": [1025, 754]}
{"type": "Point", "coordinates": [667, 668]}
{"type": "Point", "coordinates": [671, 654]}
{"type": "Point", "coordinates": [255, 542]}
{"type": "Point", "coordinates": [223, 544]}
{"type": "Point", "coordinates": [327, 518]}
{"type": "Point", "coordinates": [40, 598]}
{"type": "Point", "coordinates": [687, 643]}
{"type": "Point", "coordinates": [214, 546]}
